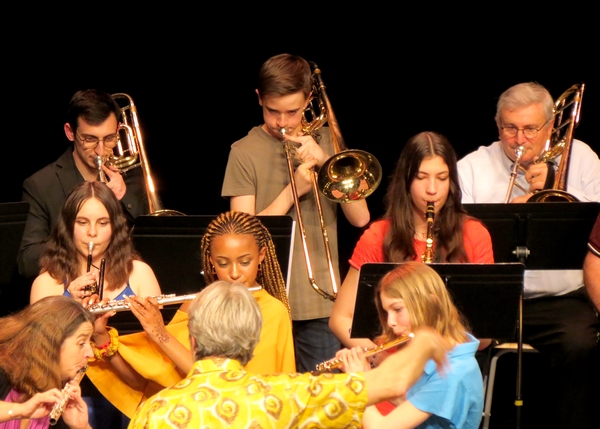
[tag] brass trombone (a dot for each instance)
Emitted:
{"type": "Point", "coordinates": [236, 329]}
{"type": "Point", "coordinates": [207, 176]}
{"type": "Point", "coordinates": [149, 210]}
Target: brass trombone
{"type": "Point", "coordinates": [562, 139]}
{"type": "Point", "coordinates": [131, 152]}
{"type": "Point", "coordinates": [559, 143]}
{"type": "Point", "coordinates": [349, 175]}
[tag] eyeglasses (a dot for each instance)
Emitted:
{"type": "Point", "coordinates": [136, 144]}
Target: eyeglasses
{"type": "Point", "coordinates": [91, 142]}
{"type": "Point", "coordinates": [528, 132]}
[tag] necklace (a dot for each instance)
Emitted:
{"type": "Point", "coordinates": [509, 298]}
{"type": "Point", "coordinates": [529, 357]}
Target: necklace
{"type": "Point", "coordinates": [255, 288]}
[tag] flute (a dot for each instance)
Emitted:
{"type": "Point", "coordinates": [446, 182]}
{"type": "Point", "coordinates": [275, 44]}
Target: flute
{"type": "Point", "coordinates": [122, 305]}
{"type": "Point", "coordinates": [334, 363]}
{"type": "Point", "coordinates": [60, 406]}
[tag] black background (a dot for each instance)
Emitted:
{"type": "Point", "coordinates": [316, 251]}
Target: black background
{"type": "Point", "coordinates": [192, 75]}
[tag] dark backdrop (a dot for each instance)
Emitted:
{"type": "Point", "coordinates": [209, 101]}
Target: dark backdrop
{"type": "Point", "coordinates": [193, 84]}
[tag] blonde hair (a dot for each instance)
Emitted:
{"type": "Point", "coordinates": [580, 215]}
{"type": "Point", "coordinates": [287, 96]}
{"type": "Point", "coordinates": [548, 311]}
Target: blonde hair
{"type": "Point", "coordinates": [426, 298]}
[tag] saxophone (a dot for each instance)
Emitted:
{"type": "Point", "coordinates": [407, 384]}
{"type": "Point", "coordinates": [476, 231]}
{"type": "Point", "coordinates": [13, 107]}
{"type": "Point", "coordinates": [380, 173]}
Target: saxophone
{"type": "Point", "coordinates": [427, 256]}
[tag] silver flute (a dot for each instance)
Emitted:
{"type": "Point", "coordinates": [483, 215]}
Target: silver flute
{"type": "Point", "coordinates": [60, 406]}
{"type": "Point", "coordinates": [122, 305]}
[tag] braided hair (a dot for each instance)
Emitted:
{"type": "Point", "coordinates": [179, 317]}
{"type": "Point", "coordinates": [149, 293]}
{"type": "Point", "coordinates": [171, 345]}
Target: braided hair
{"type": "Point", "coordinates": [240, 223]}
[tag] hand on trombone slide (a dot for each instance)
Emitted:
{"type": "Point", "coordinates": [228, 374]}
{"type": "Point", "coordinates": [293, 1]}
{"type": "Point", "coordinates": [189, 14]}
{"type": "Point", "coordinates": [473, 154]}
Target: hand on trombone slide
{"type": "Point", "coordinates": [303, 176]}
{"type": "Point", "coordinates": [115, 181]}
{"type": "Point", "coordinates": [536, 176]}
{"type": "Point", "coordinates": [307, 148]}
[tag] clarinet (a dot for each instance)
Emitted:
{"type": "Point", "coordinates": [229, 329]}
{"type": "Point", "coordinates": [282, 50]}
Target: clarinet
{"type": "Point", "coordinates": [60, 406]}
{"type": "Point", "coordinates": [94, 287]}
{"type": "Point", "coordinates": [427, 256]}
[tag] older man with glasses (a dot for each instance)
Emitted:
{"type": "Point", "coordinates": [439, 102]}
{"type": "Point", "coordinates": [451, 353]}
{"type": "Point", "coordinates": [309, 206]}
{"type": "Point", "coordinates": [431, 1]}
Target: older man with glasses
{"type": "Point", "coordinates": [92, 127]}
{"type": "Point", "coordinates": [558, 318]}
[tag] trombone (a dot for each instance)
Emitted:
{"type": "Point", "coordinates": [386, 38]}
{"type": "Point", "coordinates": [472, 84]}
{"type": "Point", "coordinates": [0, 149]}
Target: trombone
{"type": "Point", "coordinates": [559, 143]}
{"type": "Point", "coordinates": [132, 153]}
{"type": "Point", "coordinates": [562, 138]}
{"type": "Point", "coordinates": [347, 176]}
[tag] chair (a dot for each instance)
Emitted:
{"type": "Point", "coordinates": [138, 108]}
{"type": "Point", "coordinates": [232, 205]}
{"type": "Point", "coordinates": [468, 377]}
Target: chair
{"type": "Point", "coordinates": [498, 351]}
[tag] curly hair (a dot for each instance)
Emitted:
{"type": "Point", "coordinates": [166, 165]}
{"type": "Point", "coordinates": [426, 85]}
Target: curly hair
{"type": "Point", "coordinates": [448, 227]}
{"type": "Point", "coordinates": [240, 223]}
{"type": "Point", "coordinates": [60, 258]}
{"type": "Point", "coordinates": [31, 340]}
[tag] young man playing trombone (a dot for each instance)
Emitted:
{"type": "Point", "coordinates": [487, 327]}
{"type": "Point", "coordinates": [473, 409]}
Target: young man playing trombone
{"type": "Point", "coordinates": [91, 127]}
{"type": "Point", "coordinates": [558, 319]}
{"type": "Point", "coordinates": [257, 181]}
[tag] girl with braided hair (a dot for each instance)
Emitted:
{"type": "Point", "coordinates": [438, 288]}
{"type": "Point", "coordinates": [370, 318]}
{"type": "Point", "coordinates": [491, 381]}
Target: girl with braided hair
{"type": "Point", "coordinates": [240, 226]}
{"type": "Point", "coordinates": [238, 248]}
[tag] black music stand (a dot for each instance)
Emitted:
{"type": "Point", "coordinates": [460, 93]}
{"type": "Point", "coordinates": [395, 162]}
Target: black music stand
{"type": "Point", "coordinates": [13, 295]}
{"type": "Point", "coordinates": [542, 236]}
{"type": "Point", "coordinates": [488, 295]}
{"type": "Point", "coordinates": [171, 246]}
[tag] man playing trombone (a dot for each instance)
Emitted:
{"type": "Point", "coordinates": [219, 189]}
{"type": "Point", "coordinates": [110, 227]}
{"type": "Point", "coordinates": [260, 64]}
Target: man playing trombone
{"type": "Point", "coordinates": [92, 121]}
{"type": "Point", "coordinates": [558, 319]}
{"type": "Point", "coordinates": [257, 181]}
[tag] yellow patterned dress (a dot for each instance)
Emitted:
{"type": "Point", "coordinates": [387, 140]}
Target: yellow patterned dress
{"type": "Point", "coordinates": [274, 353]}
{"type": "Point", "coordinates": [219, 393]}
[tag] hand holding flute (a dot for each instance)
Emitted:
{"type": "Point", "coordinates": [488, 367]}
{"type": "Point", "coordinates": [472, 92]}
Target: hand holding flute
{"type": "Point", "coordinates": [70, 391]}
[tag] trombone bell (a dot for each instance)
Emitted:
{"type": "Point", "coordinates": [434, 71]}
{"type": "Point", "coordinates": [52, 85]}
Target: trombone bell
{"type": "Point", "coordinates": [349, 175]}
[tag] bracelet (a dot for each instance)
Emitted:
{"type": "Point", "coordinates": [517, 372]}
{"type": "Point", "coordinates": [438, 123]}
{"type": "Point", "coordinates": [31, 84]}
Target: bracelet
{"type": "Point", "coordinates": [108, 349]}
{"type": "Point", "coordinates": [10, 413]}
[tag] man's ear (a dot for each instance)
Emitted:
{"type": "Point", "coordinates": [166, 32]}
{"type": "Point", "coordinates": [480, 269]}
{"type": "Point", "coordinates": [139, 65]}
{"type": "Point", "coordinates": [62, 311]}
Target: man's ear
{"type": "Point", "coordinates": [69, 132]}
{"type": "Point", "coordinates": [259, 99]}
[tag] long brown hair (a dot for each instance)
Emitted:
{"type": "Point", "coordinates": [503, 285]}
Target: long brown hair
{"type": "Point", "coordinates": [31, 340]}
{"type": "Point", "coordinates": [448, 227]}
{"type": "Point", "coordinates": [60, 259]}
{"type": "Point", "coordinates": [239, 223]}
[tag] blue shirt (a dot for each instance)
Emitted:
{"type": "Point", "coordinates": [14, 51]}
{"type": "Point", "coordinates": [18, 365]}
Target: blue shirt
{"type": "Point", "coordinates": [454, 399]}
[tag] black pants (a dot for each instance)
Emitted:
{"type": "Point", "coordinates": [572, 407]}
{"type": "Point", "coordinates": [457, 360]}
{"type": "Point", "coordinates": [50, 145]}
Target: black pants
{"type": "Point", "coordinates": [565, 331]}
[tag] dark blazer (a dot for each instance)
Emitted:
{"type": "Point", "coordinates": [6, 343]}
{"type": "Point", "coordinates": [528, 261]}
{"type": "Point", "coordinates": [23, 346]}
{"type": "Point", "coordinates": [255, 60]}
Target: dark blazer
{"type": "Point", "coordinates": [47, 190]}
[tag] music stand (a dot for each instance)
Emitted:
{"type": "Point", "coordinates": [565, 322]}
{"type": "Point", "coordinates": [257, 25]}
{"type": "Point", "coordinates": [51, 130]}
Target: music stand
{"type": "Point", "coordinates": [12, 224]}
{"type": "Point", "coordinates": [487, 295]}
{"type": "Point", "coordinates": [542, 236]}
{"type": "Point", "coordinates": [171, 246]}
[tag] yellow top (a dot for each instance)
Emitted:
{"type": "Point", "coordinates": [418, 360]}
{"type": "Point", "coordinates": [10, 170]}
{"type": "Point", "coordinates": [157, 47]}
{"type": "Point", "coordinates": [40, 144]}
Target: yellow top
{"type": "Point", "coordinates": [218, 393]}
{"type": "Point", "coordinates": [273, 354]}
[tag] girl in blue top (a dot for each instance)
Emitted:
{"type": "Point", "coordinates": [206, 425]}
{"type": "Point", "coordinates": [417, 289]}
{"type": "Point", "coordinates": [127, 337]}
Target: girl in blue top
{"type": "Point", "coordinates": [409, 297]}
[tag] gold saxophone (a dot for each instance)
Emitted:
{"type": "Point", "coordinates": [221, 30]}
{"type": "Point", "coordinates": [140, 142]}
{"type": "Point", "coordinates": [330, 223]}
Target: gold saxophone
{"type": "Point", "coordinates": [334, 363]}
{"type": "Point", "coordinates": [427, 256]}
{"type": "Point", "coordinates": [60, 406]}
